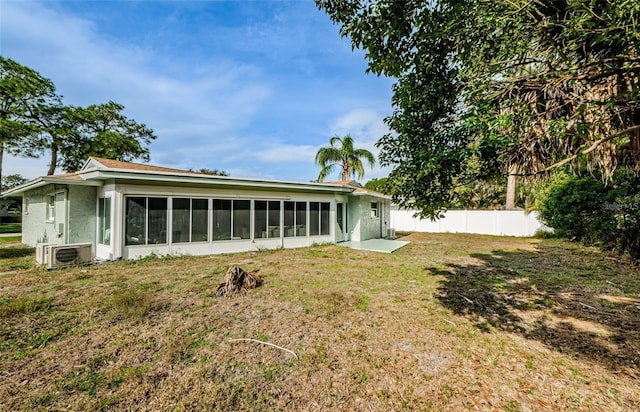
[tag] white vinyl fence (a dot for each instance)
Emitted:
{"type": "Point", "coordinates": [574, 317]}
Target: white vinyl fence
{"type": "Point", "coordinates": [486, 222]}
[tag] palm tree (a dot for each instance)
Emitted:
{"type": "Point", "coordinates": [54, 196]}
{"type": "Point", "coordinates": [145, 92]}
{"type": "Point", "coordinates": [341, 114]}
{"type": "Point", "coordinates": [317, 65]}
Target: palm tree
{"type": "Point", "coordinates": [341, 153]}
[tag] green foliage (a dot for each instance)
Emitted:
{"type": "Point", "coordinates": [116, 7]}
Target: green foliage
{"type": "Point", "coordinates": [214, 172]}
{"type": "Point", "coordinates": [11, 181]}
{"type": "Point", "coordinates": [484, 86]}
{"type": "Point", "coordinates": [342, 154]}
{"type": "Point", "coordinates": [72, 134]}
{"type": "Point", "coordinates": [24, 304]}
{"type": "Point", "coordinates": [103, 131]}
{"type": "Point", "coordinates": [377, 184]}
{"type": "Point", "coordinates": [34, 121]}
{"type": "Point", "coordinates": [584, 208]}
{"type": "Point", "coordinates": [480, 194]}
{"type": "Point", "coordinates": [132, 303]}
{"type": "Point", "coordinates": [22, 91]}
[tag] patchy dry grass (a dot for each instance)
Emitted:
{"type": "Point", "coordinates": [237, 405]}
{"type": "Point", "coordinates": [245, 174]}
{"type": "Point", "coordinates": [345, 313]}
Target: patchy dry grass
{"type": "Point", "coordinates": [448, 322]}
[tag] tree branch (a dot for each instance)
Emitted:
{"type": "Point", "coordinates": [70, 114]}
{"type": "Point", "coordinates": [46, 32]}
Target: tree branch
{"type": "Point", "coordinates": [590, 149]}
{"type": "Point", "coordinates": [265, 343]}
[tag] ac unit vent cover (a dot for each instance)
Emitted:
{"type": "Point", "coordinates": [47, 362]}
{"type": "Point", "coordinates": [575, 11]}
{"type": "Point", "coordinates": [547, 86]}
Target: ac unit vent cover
{"type": "Point", "coordinates": [67, 255]}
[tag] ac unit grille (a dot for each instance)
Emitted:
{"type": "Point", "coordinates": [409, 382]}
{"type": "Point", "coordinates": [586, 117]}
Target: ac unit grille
{"type": "Point", "coordinates": [68, 255]}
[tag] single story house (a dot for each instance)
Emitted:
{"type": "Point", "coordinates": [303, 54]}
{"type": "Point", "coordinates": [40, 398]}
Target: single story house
{"type": "Point", "coordinates": [128, 210]}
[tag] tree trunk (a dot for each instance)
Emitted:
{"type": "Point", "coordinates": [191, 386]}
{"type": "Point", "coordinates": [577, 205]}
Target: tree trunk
{"type": "Point", "coordinates": [346, 174]}
{"type": "Point", "coordinates": [511, 188]}
{"type": "Point", "coordinates": [54, 159]}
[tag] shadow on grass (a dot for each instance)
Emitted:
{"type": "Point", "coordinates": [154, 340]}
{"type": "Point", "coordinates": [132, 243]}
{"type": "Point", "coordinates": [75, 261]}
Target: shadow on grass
{"type": "Point", "coordinates": [576, 301]}
{"type": "Point", "coordinates": [16, 252]}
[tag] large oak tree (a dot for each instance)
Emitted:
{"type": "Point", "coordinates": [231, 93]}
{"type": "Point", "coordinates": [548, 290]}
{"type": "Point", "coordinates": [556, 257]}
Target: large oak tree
{"type": "Point", "coordinates": [35, 121]}
{"type": "Point", "coordinates": [22, 90]}
{"type": "Point", "coordinates": [498, 87]}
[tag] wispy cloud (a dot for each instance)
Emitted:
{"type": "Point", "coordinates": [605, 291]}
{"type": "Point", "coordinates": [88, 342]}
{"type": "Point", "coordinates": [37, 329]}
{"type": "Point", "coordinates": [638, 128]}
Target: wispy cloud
{"type": "Point", "coordinates": [221, 83]}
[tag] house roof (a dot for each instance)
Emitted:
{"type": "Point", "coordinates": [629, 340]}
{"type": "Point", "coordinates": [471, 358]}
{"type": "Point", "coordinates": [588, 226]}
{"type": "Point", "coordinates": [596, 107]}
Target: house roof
{"type": "Point", "coordinates": [97, 170]}
{"type": "Point", "coordinates": [358, 189]}
{"type": "Point", "coordinates": [119, 165]}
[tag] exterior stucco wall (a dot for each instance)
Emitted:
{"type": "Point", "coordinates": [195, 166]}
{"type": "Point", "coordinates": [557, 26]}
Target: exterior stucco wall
{"type": "Point", "coordinates": [354, 219]}
{"type": "Point", "coordinates": [364, 225]}
{"type": "Point", "coordinates": [82, 214]}
{"type": "Point", "coordinates": [35, 227]}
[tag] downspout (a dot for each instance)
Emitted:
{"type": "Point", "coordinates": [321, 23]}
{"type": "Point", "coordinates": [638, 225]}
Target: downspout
{"type": "Point", "coordinates": [67, 204]}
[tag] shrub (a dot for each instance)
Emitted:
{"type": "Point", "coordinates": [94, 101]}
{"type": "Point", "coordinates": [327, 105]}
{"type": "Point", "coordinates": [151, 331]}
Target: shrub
{"type": "Point", "coordinates": [586, 209]}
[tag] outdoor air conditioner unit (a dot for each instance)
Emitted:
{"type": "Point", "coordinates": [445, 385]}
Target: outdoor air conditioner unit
{"type": "Point", "coordinates": [391, 233]}
{"type": "Point", "coordinates": [69, 255]}
{"type": "Point", "coordinates": [42, 251]}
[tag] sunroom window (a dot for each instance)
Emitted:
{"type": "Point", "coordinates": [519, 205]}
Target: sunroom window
{"type": "Point", "coordinates": [104, 221]}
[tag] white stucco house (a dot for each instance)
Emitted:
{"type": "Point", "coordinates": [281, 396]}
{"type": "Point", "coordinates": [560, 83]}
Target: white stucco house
{"type": "Point", "coordinates": [129, 210]}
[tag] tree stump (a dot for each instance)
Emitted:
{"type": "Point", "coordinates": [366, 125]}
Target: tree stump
{"type": "Point", "coordinates": [237, 281]}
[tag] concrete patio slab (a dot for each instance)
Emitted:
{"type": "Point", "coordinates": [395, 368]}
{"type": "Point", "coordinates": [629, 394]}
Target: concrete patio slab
{"type": "Point", "coordinates": [376, 245]}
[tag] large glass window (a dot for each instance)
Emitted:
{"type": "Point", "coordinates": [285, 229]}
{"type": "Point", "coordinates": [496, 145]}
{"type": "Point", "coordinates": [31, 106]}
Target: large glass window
{"type": "Point", "coordinates": [199, 220]}
{"type": "Point", "coordinates": [104, 221]}
{"type": "Point", "coordinates": [241, 219]}
{"type": "Point", "coordinates": [301, 218]}
{"type": "Point", "coordinates": [260, 229]}
{"type": "Point", "coordinates": [190, 220]}
{"type": "Point", "coordinates": [295, 219]}
{"type": "Point", "coordinates": [180, 217]}
{"type": "Point", "coordinates": [319, 218]}
{"type": "Point", "coordinates": [266, 219]}
{"type": "Point", "coordinates": [157, 222]}
{"type": "Point", "coordinates": [274, 218]}
{"type": "Point", "coordinates": [324, 219]}
{"type": "Point", "coordinates": [289, 219]}
{"type": "Point", "coordinates": [135, 221]}
{"type": "Point", "coordinates": [145, 220]}
{"type": "Point", "coordinates": [314, 218]}
{"type": "Point", "coordinates": [221, 219]}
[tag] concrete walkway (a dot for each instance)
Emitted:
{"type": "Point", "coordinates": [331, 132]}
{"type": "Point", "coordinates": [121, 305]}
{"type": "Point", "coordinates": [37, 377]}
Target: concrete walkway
{"type": "Point", "coordinates": [376, 245]}
{"type": "Point", "coordinates": [10, 234]}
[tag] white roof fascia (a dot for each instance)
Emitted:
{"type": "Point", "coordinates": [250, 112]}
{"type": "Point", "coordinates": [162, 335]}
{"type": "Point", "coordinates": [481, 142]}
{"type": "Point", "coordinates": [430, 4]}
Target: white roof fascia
{"type": "Point", "coordinates": [378, 195]}
{"type": "Point", "coordinates": [168, 177]}
{"type": "Point", "coordinates": [48, 180]}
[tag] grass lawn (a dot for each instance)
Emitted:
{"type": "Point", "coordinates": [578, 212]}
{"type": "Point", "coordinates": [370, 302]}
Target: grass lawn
{"type": "Point", "coordinates": [10, 240]}
{"type": "Point", "coordinates": [448, 322]}
{"type": "Point", "coordinates": [10, 228]}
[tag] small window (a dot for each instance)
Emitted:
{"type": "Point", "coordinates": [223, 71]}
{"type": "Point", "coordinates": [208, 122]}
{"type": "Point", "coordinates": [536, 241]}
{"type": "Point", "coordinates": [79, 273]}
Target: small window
{"type": "Point", "coordinates": [104, 221]}
{"type": "Point", "coordinates": [51, 208]}
{"type": "Point", "coordinates": [374, 209]}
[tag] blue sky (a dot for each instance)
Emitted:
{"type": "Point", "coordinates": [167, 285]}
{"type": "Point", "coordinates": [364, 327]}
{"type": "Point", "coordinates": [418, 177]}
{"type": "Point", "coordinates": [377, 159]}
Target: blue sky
{"type": "Point", "coordinates": [250, 87]}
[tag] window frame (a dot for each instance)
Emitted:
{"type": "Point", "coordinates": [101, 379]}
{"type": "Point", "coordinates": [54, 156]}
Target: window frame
{"type": "Point", "coordinates": [104, 218]}
{"type": "Point", "coordinates": [50, 213]}
{"type": "Point", "coordinates": [148, 217]}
